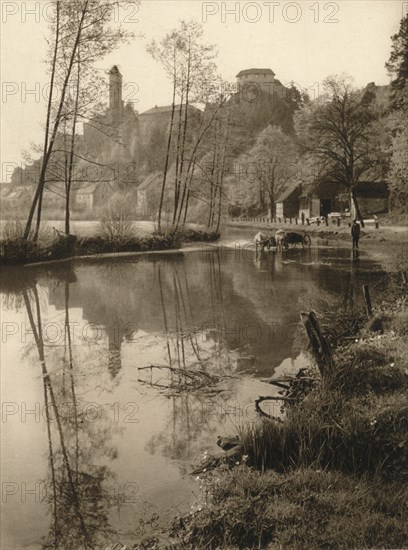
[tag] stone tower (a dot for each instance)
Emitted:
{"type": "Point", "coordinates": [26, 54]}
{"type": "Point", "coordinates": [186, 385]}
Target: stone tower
{"type": "Point", "coordinates": [115, 93]}
{"type": "Point", "coordinates": [263, 79]}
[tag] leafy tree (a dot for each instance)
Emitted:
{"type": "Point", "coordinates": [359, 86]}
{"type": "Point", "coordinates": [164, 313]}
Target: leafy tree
{"type": "Point", "coordinates": [397, 65]}
{"type": "Point", "coordinates": [338, 131]}
{"type": "Point", "coordinates": [398, 174]}
{"type": "Point", "coordinates": [271, 162]}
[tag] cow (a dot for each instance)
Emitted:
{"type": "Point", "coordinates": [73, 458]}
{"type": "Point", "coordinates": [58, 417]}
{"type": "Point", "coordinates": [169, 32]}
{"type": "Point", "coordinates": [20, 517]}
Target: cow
{"type": "Point", "coordinates": [263, 241]}
{"type": "Point", "coordinates": [285, 239]}
{"type": "Point", "coordinates": [280, 239]}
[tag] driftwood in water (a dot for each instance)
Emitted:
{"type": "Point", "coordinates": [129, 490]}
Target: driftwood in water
{"type": "Point", "coordinates": [318, 344]}
{"type": "Point", "coordinates": [261, 412]}
{"type": "Point", "coordinates": [277, 383]}
{"type": "Point", "coordinates": [186, 379]}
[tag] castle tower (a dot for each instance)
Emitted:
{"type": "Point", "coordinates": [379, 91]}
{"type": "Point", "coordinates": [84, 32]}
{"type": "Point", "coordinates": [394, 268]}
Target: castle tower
{"type": "Point", "coordinates": [115, 92]}
{"type": "Point", "coordinates": [263, 79]}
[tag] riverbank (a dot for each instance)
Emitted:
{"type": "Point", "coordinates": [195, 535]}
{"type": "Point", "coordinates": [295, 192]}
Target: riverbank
{"type": "Point", "coordinates": [13, 250]}
{"type": "Point", "coordinates": [394, 233]}
{"type": "Point", "coordinates": [333, 474]}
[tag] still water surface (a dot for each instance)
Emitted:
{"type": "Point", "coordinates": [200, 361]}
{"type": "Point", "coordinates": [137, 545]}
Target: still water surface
{"type": "Point", "coordinates": [96, 446]}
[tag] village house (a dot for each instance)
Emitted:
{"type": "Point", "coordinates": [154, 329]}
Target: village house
{"type": "Point", "coordinates": [150, 186]}
{"type": "Point", "coordinates": [327, 197]}
{"type": "Point", "coordinates": [19, 196]}
{"type": "Point", "coordinates": [288, 202]}
{"type": "Point", "coordinates": [54, 195]}
{"type": "Point", "coordinates": [92, 195]}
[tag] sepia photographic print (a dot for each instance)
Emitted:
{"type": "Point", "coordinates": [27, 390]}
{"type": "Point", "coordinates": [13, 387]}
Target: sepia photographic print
{"type": "Point", "coordinates": [204, 274]}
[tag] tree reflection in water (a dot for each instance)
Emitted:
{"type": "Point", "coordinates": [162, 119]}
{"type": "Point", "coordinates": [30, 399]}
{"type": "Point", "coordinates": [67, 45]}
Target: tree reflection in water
{"type": "Point", "coordinates": [74, 489]}
{"type": "Point", "coordinates": [189, 346]}
{"type": "Point", "coordinates": [186, 312]}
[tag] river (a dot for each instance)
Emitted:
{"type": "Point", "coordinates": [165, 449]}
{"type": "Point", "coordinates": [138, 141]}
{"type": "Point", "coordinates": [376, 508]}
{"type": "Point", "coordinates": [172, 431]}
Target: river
{"type": "Point", "coordinates": [96, 446]}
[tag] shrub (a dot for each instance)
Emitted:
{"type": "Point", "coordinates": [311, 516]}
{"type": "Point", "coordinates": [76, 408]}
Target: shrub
{"type": "Point", "coordinates": [117, 219]}
{"type": "Point", "coordinates": [303, 510]}
{"type": "Point", "coordinates": [13, 230]}
{"type": "Point", "coordinates": [198, 235]}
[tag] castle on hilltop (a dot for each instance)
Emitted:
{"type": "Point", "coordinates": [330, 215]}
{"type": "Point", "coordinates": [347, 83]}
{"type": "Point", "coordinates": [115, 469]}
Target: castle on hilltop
{"type": "Point", "coordinates": [121, 148]}
{"type": "Point", "coordinates": [119, 132]}
{"type": "Point", "coordinates": [259, 79]}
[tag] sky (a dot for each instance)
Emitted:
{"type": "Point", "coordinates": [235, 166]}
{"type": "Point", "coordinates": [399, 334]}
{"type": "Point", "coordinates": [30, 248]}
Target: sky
{"type": "Point", "coordinates": [303, 41]}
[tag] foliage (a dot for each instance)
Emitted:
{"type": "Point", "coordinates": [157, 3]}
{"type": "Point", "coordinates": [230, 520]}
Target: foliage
{"type": "Point", "coordinates": [264, 171]}
{"type": "Point", "coordinates": [198, 235]}
{"type": "Point", "coordinates": [397, 65]}
{"type": "Point", "coordinates": [338, 131]}
{"type": "Point", "coordinates": [189, 64]}
{"type": "Point", "coordinates": [398, 174]}
{"type": "Point", "coordinates": [305, 509]}
{"type": "Point", "coordinates": [82, 33]}
{"type": "Point", "coordinates": [331, 475]}
{"type": "Point", "coordinates": [117, 218]}
{"type": "Point", "coordinates": [48, 248]}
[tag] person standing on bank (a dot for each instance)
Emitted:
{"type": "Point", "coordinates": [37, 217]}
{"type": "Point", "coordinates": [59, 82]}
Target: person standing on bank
{"type": "Point", "coordinates": [355, 233]}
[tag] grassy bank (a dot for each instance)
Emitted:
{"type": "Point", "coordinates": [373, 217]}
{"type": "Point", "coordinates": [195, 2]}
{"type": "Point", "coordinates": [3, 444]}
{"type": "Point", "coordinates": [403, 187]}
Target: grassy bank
{"type": "Point", "coordinates": [49, 246]}
{"type": "Point", "coordinates": [333, 474]}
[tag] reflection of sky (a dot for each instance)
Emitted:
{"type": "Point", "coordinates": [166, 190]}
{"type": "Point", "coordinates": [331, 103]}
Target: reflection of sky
{"type": "Point", "coordinates": [232, 313]}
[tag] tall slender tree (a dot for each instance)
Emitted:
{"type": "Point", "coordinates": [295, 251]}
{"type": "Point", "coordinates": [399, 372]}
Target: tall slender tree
{"type": "Point", "coordinates": [189, 64]}
{"type": "Point", "coordinates": [82, 33]}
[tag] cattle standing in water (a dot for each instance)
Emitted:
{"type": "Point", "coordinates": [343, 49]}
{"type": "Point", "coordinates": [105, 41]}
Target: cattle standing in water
{"type": "Point", "coordinates": [280, 239]}
{"type": "Point", "coordinates": [285, 239]}
{"type": "Point", "coordinates": [298, 238]}
{"type": "Point", "coordinates": [264, 241]}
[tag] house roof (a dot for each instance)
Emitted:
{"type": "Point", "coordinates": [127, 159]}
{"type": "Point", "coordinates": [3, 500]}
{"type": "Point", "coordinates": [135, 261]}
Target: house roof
{"type": "Point", "coordinates": [255, 71]}
{"type": "Point", "coordinates": [151, 178]}
{"type": "Point", "coordinates": [289, 191]}
{"type": "Point", "coordinates": [88, 188]}
{"type": "Point", "coordinates": [55, 189]}
{"type": "Point", "coordinates": [165, 109]}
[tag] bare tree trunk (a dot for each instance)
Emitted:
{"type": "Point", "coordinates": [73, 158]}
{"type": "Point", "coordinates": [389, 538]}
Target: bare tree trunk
{"type": "Point", "coordinates": [191, 166]}
{"type": "Point", "coordinates": [221, 180]}
{"type": "Point", "coordinates": [353, 200]}
{"type": "Point", "coordinates": [41, 183]}
{"type": "Point", "coordinates": [211, 205]}
{"type": "Point", "coordinates": [186, 208]}
{"type": "Point", "coordinates": [166, 164]}
{"type": "Point", "coordinates": [176, 187]}
{"type": "Point", "coordinates": [48, 120]}
{"type": "Point", "coordinates": [183, 142]}
{"type": "Point", "coordinates": [71, 158]}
